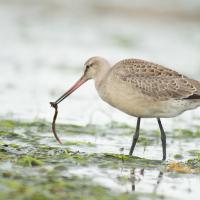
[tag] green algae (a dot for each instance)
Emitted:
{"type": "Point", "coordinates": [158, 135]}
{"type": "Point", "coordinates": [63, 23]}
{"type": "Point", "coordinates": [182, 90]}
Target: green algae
{"type": "Point", "coordinates": [194, 163]}
{"type": "Point", "coordinates": [8, 134]}
{"type": "Point", "coordinates": [145, 141]}
{"type": "Point", "coordinates": [114, 124]}
{"type": "Point", "coordinates": [10, 124]}
{"type": "Point", "coordinates": [194, 152]}
{"type": "Point", "coordinates": [4, 156]}
{"type": "Point", "coordinates": [79, 143]}
{"type": "Point", "coordinates": [178, 156]}
{"type": "Point", "coordinates": [29, 161]}
{"type": "Point", "coordinates": [185, 133]}
{"type": "Point", "coordinates": [41, 169]}
{"type": "Point", "coordinates": [63, 188]}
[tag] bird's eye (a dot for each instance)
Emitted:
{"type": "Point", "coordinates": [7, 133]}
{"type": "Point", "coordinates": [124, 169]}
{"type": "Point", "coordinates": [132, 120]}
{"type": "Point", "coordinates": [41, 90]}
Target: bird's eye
{"type": "Point", "coordinates": [88, 66]}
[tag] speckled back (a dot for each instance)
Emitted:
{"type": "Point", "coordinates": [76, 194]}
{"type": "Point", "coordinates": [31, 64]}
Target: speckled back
{"type": "Point", "coordinates": [155, 80]}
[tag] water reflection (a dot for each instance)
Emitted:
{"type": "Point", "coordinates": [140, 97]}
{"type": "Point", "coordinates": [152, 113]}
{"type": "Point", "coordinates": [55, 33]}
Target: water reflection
{"type": "Point", "coordinates": [138, 176]}
{"type": "Point", "coordinates": [159, 180]}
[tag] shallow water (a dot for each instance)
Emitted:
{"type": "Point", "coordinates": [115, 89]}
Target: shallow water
{"type": "Point", "coordinates": [43, 47]}
{"type": "Point", "coordinates": [32, 162]}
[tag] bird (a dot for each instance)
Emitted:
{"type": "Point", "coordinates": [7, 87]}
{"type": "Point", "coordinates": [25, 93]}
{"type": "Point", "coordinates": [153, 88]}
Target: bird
{"type": "Point", "coordinates": [141, 89]}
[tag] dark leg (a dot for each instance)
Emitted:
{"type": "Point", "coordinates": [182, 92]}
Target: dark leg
{"type": "Point", "coordinates": [135, 137]}
{"type": "Point", "coordinates": [163, 138]}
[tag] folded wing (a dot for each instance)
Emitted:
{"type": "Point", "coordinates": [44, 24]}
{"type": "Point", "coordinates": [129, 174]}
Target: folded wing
{"type": "Point", "coordinates": [155, 80]}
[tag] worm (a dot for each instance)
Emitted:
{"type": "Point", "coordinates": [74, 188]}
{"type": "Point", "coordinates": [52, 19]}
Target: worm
{"type": "Point", "coordinates": [55, 106]}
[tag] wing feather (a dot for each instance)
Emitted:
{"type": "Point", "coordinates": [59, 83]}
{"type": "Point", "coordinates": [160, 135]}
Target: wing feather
{"type": "Point", "coordinates": [155, 80]}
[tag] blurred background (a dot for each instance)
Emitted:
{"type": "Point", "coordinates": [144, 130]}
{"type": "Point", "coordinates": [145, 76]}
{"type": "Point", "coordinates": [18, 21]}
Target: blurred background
{"type": "Point", "coordinates": [44, 44]}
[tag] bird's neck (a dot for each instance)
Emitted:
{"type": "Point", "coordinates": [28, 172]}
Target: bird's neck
{"type": "Point", "coordinates": [102, 75]}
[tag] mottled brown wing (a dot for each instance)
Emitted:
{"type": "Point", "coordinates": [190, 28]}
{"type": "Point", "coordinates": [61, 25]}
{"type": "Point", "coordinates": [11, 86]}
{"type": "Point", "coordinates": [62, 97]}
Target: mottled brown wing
{"type": "Point", "coordinates": [155, 80]}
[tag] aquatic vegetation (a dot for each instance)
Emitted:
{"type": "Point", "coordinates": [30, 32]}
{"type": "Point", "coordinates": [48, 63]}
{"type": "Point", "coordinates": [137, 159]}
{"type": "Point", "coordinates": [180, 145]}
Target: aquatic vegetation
{"type": "Point", "coordinates": [34, 166]}
{"type": "Point", "coordinates": [184, 133]}
{"type": "Point", "coordinates": [194, 163]}
{"type": "Point", "coordinates": [146, 141]}
{"type": "Point", "coordinates": [114, 124]}
{"type": "Point", "coordinates": [79, 143]}
{"type": "Point", "coordinates": [188, 167]}
{"type": "Point", "coordinates": [194, 152]}
{"type": "Point", "coordinates": [178, 156]}
{"type": "Point", "coordinates": [179, 167]}
{"type": "Point", "coordinates": [29, 161]}
{"type": "Point", "coordinates": [69, 187]}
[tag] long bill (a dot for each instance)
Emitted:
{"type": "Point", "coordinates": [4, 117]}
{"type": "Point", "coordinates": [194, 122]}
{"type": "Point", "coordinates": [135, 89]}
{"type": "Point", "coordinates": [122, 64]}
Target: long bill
{"type": "Point", "coordinates": [80, 82]}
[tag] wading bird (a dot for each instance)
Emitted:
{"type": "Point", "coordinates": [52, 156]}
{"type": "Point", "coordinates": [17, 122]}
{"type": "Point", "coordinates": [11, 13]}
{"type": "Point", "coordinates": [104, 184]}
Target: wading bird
{"type": "Point", "coordinates": [141, 89]}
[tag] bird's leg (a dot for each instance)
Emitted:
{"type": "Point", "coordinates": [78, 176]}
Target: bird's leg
{"type": "Point", "coordinates": [163, 138]}
{"type": "Point", "coordinates": [135, 136]}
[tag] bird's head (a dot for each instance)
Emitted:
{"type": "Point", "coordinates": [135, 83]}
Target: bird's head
{"type": "Point", "coordinates": [95, 68]}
